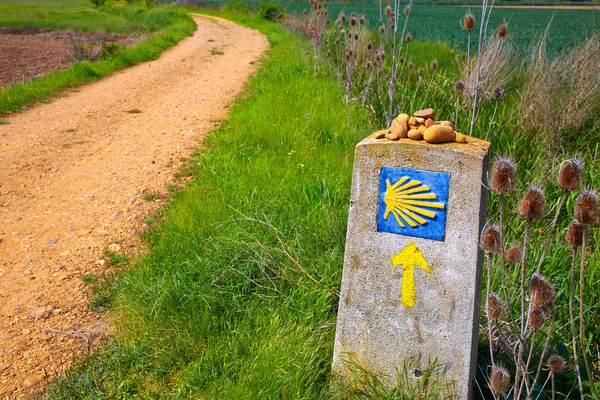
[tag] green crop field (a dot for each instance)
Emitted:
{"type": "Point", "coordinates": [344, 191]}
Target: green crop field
{"type": "Point", "coordinates": [439, 22]}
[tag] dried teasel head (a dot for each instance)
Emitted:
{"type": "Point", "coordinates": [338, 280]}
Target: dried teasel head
{"type": "Point", "coordinates": [370, 46]}
{"type": "Point", "coordinates": [532, 205]}
{"type": "Point", "coordinates": [499, 379]}
{"type": "Point", "coordinates": [575, 235]}
{"type": "Point", "coordinates": [388, 11]}
{"type": "Point", "coordinates": [353, 21]}
{"type": "Point", "coordinates": [541, 291]}
{"type": "Point", "coordinates": [361, 20]}
{"type": "Point", "coordinates": [305, 12]}
{"type": "Point", "coordinates": [343, 18]}
{"type": "Point", "coordinates": [497, 93]}
{"type": "Point", "coordinates": [421, 71]}
{"type": "Point", "coordinates": [382, 29]}
{"type": "Point", "coordinates": [586, 208]}
{"type": "Point", "coordinates": [503, 177]}
{"type": "Point", "coordinates": [401, 60]}
{"type": "Point", "coordinates": [491, 238]}
{"type": "Point", "coordinates": [501, 31]}
{"type": "Point", "coordinates": [570, 174]}
{"type": "Point", "coordinates": [494, 306]}
{"type": "Point", "coordinates": [514, 254]}
{"type": "Point", "coordinates": [356, 36]}
{"type": "Point", "coordinates": [408, 37]}
{"type": "Point", "coordinates": [434, 65]}
{"type": "Point", "coordinates": [407, 11]}
{"type": "Point", "coordinates": [468, 22]}
{"type": "Point", "coordinates": [556, 364]}
{"type": "Point", "coordinates": [459, 86]}
{"type": "Point", "coordinates": [328, 53]}
{"type": "Point", "coordinates": [537, 318]}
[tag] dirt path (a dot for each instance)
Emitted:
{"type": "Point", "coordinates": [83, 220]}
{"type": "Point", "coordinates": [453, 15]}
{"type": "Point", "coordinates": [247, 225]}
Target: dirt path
{"type": "Point", "coordinates": [73, 179]}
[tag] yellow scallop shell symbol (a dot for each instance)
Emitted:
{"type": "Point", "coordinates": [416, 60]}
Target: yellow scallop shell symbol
{"type": "Point", "coordinates": [407, 201]}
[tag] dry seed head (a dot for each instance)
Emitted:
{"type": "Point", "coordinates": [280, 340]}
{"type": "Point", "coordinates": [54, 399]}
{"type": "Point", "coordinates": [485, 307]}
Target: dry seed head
{"type": "Point", "coordinates": [501, 31]}
{"type": "Point", "coordinates": [491, 239]}
{"type": "Point", "coordinates": [392, 26]}
{"type": "Point", "coordinates": [356, 36]}
{"type": "Point", "coordinates": [434, 65]}
{"type": "Point", "coordinates": [408, 37]}
{"type": "Point", "coordinates": [494, 306]}
{"type": "Point", "coordinates": [556, 364]}
{"type": "Point", "coordinates": [468, 22]}
{"type": "Point", "coordinates": [575, 235]}
{"type": "Point", "coordinates": [343, 18]}
{"type": "Point", "coordinates": [407, 11]}
{"type": "Point", "coordinates": [353, 21]}
{"type": "Point", "coordinates": [388, 11]}
{"type": "Point", "coordinates": [586, 208]}
{"type": "Point", "coordinates": [349, 34]}
{"type": "Point", "coordinates": [570, 174]}
{"type": "Point", "coordinates": [499, 380]}
{"type": "Point", "coordinates": [532, 205]}
{"type": "Point", "coordinates": [401, 60]}
{"type": "Point", "coordinates": [337, 42]}
{"type": "Point", "coordinates": [410, 65]}
{"type": "Point", "coordinates": [503, 175]}
{"type": "Point", "coordinates": [514, 254]}
{"type": "Point", "coordinates": [382, 29]}
{"type": "Point", "coordinates": [421, 71]}
{"type": "Point", "coordinates": [370, 46]}
{"type": "Point", "coordinates": [361, 20]}
{"type": "Point", "coordinates": [353, 15]}
{"type": "Point", "coordinates": [459, 86]}
{"type": "Point", "coordinates": [305, 12]}
{"type": "Point", "coordinates": [328, 53]}
{"type": "Point", "coordinates": [350, 52]}
{"type": "Point", "coordinates": [497, 93]}
{"type": "Point", "coordinates": [541, 291]}
{"type": "Point", "coordinates": [537, 318]}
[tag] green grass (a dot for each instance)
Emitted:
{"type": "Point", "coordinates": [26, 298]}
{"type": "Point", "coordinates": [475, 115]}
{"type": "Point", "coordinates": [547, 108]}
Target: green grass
{"type": "Point", "coordinates": [219, 308]}
{"type": "Point", "coordinates": [167, 27]}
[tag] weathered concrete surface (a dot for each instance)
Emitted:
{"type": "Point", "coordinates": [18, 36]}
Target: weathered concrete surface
{"type": "Point", "coordinates": [375, 329]}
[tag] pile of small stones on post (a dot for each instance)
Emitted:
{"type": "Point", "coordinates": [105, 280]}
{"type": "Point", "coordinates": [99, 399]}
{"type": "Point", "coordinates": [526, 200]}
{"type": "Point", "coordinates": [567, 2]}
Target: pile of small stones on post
{"type": "Point", "coordinates": [422, 126]}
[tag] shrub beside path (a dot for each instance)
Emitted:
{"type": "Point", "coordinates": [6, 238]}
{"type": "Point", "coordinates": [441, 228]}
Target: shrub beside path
{"type": "Point", "coordinates": [77, 176]}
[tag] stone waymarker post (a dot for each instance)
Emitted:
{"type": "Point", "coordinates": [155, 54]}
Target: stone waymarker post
{"type": "Point", "coordinates": [412, 267]}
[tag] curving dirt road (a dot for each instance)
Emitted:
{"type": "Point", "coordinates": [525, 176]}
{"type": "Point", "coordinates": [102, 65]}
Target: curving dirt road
{"type": "Point", "coordinates": [79, 175]}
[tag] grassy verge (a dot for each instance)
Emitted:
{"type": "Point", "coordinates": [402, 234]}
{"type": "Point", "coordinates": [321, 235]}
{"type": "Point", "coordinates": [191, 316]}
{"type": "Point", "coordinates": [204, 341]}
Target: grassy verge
{"type": "Point", "coordinates": [224, 306]}
{"type": "Point", "coordinates": [167, 27]}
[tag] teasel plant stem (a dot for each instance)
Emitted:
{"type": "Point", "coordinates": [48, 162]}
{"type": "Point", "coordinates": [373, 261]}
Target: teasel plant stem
{"type": "Point", "coordinates": [489, 319]}
{"type": "Point", "coordinates": [572, 319]}
{"type": "Point", "coordinates": [518, 372]}
{"type": "Point", "coordinates": [502, 257]}
{"type": "Point", "coordinates": [590, 372]}
{"type": "Point", "coordinates": [539, 368]}
{"type": "Point", "coordinates": [551, 232]}
{"type": "Point", "coordinates": [479, 55]}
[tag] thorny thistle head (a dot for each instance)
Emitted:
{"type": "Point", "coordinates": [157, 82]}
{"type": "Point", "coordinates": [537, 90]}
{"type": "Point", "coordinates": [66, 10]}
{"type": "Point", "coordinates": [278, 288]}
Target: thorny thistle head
{"type": "Point", "coordinates": [514, 254]}
{"type": "Point", "coordinates": [556, 364]}
{"type": "Point", "coordinates": [532, 205]}
{"type": "Point", "coordinates": [494, 306]}
{"type": "Point", "coordinates": [491, 238]}
{"type": "Point", "coordinates": [503, 176]}
{"type": "Point", "coordinates": [586, 208]}
{"type": "Point", "coordinates": [537, 318]}
{"type": "Point", "coordinates": [499, 380]}
{"type": "Point", "coordinates": [501, 31]}
{"type": "Point", "coordinates": [541, 291]}
{"type": "Point", "coordinates": [497, 93]}
{"type": "Point", "coordinates": [468, 22]}
{"type": "Point", "coordinates": [570, 174]}
{"type": "Point", "coordinates": [575, 235]}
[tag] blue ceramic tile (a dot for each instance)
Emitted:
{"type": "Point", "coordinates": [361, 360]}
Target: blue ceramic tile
{"type": "Point", "coordinates": [413, 202]}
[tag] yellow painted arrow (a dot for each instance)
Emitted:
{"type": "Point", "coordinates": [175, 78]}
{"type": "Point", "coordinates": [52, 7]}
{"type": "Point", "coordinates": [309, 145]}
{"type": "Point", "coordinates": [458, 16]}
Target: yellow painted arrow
{"type": "Point", "coordinates": [410, 257]}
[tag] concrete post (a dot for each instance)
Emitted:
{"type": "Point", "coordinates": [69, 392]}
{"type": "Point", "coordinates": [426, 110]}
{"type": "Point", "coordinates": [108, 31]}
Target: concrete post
{"type": "Point", "coordinates": [412, 267]}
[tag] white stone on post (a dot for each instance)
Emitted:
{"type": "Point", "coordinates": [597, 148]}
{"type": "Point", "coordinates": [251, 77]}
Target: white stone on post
{"type": "Point", "coordinates": [411, 284]}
